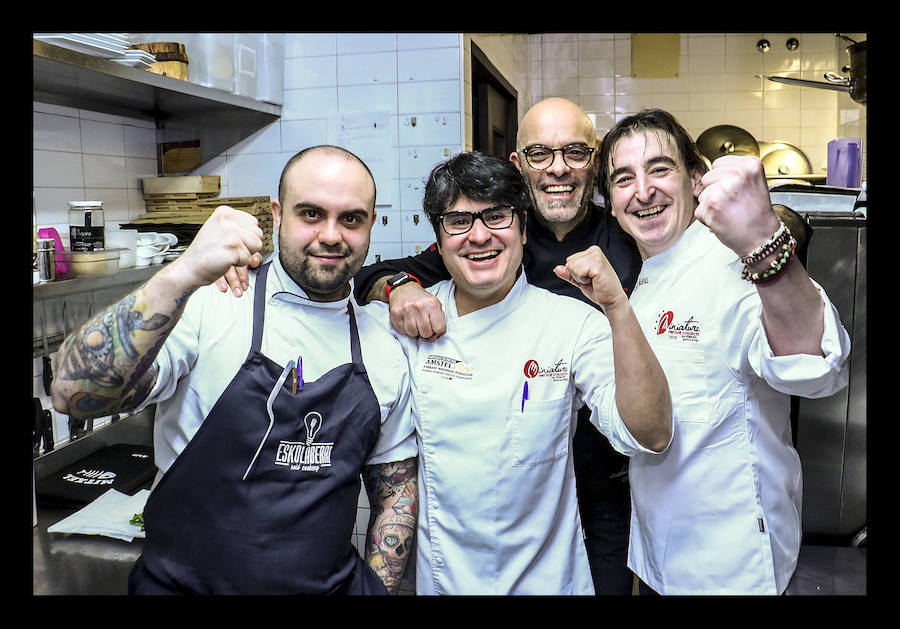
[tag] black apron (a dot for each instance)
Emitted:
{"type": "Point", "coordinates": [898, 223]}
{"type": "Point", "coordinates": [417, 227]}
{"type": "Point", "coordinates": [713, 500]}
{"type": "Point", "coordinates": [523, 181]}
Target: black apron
{"type": "Point", "coordinates": [263, 499]}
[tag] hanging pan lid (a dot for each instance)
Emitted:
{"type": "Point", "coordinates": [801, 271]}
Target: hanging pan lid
{"type": "Point", "coordinates": [726, 139]}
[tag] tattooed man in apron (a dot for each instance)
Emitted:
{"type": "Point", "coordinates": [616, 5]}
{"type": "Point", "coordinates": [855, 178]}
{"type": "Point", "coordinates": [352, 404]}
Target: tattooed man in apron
{"type": "Point", "coordinates": [268, 409]}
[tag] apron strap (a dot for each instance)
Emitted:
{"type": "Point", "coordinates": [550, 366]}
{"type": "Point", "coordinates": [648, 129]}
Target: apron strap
{"type": "Point", "coordinates": [259, 311]}
{"type": "Point", "coordinates": [259, 306]}
{"type": "Point", "coordinates": [355, 351]}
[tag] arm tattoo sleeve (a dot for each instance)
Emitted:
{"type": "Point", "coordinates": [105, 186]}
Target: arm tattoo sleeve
{"type": "Point", "coordinates": [109, 368]}
{"type": "Point", "coordinates": [393, 498]}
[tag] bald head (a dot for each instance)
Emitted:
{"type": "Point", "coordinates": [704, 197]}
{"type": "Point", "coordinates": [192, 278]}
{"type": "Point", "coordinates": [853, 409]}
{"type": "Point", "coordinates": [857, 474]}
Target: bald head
{"type": "Point", "coordinates": [555, 116]}
{"type": "Point", "coordinates": [323, 149]}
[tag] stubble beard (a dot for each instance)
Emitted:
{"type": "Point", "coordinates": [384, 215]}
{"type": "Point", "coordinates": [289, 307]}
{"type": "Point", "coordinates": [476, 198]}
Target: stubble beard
{"type": "Point", "coordinates": [318, 282]}
{"type": "Point", "coordinates": [551, 211]}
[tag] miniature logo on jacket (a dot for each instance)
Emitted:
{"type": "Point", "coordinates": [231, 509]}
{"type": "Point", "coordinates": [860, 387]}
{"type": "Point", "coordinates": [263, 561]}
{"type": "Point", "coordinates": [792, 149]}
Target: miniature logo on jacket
{"type": "Point", "coordinates": [559, 370]}
{"type": "Point", "coordinates": [688, 331]}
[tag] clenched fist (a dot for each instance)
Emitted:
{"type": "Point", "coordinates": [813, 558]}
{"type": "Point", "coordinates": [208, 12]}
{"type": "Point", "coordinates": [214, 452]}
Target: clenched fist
{"type": "Point", "coordinates": [735, 204]}
{"type": "Point", "coordinates": [228, 238]}
{"type": "Point", "coordinates": [590, 271]}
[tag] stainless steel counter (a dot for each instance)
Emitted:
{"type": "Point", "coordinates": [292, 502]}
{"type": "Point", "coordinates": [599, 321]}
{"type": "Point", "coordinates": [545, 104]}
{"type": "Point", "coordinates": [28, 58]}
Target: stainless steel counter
{"type": "Point", "coordinates": [73, 564]}
{"type": "Point", "coordinates": [66, 564]}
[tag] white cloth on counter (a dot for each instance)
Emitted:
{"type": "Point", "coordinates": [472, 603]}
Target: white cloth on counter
{"type": "Point", "coordinates": [720, 511]}
{"type": "Point", "coordinates": [109, 515]}
{"type": "Point", "coordinates": [210, 343]}
{"type": "Point", "coordinates": [498, 512]}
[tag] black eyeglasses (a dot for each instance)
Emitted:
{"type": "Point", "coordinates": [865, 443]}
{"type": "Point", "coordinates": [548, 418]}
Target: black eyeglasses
{"type": "Point", "coordinates": [496, 217]}
{"type": "Point", "coordinates": [574, 155]}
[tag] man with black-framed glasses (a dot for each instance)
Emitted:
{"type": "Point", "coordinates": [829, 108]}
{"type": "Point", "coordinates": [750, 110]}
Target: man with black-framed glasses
{"type": "Point", "coordinates": [554, 138]}
{"type": "Point", "coordinates": [495, 398]}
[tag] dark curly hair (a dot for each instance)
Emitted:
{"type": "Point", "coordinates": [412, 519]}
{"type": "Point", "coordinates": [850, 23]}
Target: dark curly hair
{"type": "Point", "coordinates": [479, 177]}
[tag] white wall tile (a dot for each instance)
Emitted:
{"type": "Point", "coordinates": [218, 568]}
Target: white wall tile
{"type": "Point", "coordinates": [102, 137]}
{"type": "Point", "coordinates": [415, 226]}
{"type": "Point", "coordinates": [300, 134]}
{"type": "Point", "coordinates": [388, 226]}
{"type": "Point", "coordinates": [432, 128]}
{"type": "Point", "coordinates": [436, 64]}
{"type": "Point", "coordinates": [309, 103]}
{"type": "Point", "coordinates": [368, 68]}
{"type": "Point", "coordinates": [362, 98]}
{"type": "Point", "coordinates": [140, 141]}
{"type": "Point", "coordinates": [254, 174]}
{"type": "Point", "coordinates": [415, 41]}
{"type": "Point", "coordinates": [266, 140]}
{"type": "Point", "coordinates": [350, 43]}
{"type": "Point", "coordinates": [379, 251]}
{"type": "Point", "coordinates": [436, 96]}
{"type": "Point", "coordinates": [56, 133]}
{"type": "Point", "coordinates": [136, 168]}
{"type": "Point", "coordinates": [417, 161]}
{"type": "Point", "coordinates": [104, 171]}
{"type": "Point", "coordinates": [309, 44]}
{"type": "Point", "coordinates": [306, 72]}
{"type": "Point", "coordinates": [57, 170]}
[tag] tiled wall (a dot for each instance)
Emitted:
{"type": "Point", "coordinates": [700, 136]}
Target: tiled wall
{"type": "Point", "coordinates": [716, 82]}
{"type": "Point", "coordinates": [422, 83]}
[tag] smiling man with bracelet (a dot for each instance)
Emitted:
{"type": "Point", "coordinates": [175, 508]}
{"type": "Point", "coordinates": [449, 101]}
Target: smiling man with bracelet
{"type": "Point", "coordinates": [738, 326]}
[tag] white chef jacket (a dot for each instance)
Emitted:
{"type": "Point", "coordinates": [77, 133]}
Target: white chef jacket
{"type": "Point", "coordinates": [497, 507]}
{"type": "Point", "coordinates": [211, 340]}
{"type": "Point", "coordinates": [719, 511]}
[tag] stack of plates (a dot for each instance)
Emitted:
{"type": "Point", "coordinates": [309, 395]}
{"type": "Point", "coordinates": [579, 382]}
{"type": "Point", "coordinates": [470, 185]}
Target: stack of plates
{"type": "Point", "coordinates": [112, 46]}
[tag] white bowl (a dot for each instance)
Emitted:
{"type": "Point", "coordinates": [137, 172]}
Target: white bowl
{"type": "Point", "coordinates": [170, 240]}
{"type": "Point", "coordinates": [146, 251]}
{"type": "Point", "coordinates": [158, 259]}
{"type": "Point", "coordinates": [147, 238]}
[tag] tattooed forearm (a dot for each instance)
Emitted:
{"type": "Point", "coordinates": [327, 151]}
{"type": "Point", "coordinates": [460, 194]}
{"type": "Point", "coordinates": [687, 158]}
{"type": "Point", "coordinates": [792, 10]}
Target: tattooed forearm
{"type": "Point", "coordinates": [107, 364]}
{"type": "Point", "coordinates": [393, 499]}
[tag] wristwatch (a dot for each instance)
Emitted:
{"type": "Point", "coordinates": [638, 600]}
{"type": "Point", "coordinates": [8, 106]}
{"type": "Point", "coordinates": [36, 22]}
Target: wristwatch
{"type": "Point", "coordinates": [396, 280]}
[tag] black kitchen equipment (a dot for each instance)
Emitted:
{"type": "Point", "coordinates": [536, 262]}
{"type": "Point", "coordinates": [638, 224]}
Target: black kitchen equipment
{"type": "Point", "coordinates": [42, 429]}
{"type": "Point", "coordinates": [855, 84]}
{"type": "Point", "coordinates": [123, 467]}
{"type": "Point", "coordinates": [47, 366]}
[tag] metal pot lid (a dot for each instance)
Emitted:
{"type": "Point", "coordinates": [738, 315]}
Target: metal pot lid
{"type": "Point", "coordinates": [781, 159]}
{"type": "Point", "coordinates": [725, 139]}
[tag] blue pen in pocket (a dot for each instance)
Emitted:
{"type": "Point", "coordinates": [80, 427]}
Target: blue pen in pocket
{"type": "Point", "coordinates": [524, 395]}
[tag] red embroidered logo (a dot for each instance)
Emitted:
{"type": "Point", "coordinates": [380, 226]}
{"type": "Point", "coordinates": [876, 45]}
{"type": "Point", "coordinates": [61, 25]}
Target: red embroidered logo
{"type": "Point", "coordinates": [689, 330]}
{"type": "Point", "coordinates": [665, 320]}
{"type": "Point", "coordinates": [531, 369]}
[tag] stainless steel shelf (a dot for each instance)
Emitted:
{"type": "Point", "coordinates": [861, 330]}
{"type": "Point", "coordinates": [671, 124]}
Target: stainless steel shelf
{"type": "Point", "coordinates": [60, 288]}
{"type": "Point", "coordinates": [181, 110]}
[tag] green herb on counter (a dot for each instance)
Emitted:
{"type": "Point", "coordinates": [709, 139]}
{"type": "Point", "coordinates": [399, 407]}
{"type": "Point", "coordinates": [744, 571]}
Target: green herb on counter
{"type": "Point", "coordinates": [137, 520]}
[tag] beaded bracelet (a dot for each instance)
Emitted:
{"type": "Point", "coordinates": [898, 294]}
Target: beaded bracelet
{"type": "Point", "coordinates": [781, 236]}
{"type": "Point", "coordinates": [778, 266]}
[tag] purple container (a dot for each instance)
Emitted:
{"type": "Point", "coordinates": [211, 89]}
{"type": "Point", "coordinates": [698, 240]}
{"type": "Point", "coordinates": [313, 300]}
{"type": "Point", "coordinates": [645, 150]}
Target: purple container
{"type": "Point", "coordinates": [844, 163]}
